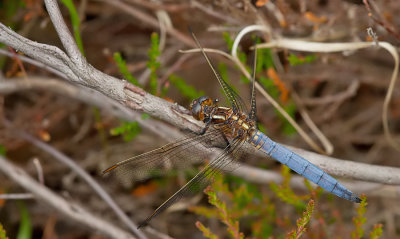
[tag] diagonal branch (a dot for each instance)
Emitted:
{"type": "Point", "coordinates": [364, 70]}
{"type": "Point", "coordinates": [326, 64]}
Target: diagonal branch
{"type": "Point", "coordinates": [69, 209]}
{"type": "Point", "coordinates": [84, 175]}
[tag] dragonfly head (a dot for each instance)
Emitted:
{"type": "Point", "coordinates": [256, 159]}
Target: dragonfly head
{"type": "Point", "coordinates": [198, 107]}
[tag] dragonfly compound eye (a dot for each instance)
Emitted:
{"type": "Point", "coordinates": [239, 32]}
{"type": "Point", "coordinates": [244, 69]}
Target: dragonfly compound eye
{"type": "Point", "coordinates": [197, 107]}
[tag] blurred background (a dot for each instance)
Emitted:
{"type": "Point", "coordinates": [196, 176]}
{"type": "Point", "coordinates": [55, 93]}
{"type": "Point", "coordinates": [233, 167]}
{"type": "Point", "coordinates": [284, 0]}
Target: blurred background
{"type": "Point", "coordinates": [139, 41]}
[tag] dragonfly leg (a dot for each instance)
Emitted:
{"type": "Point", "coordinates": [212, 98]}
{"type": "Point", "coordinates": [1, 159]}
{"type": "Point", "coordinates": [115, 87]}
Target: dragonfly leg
{"type": "Point", "coordinates": [204, 130]}
{"type": "Point", "coordinates": [226, 140]}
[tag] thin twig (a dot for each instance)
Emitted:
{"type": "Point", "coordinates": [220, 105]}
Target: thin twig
{"type": "Point", "coordinates": [76, 92]}
{"type": "Point", "coordinates": [348, 93]}
{"type": "Point", "coordinates": [87, 96]}
{"type": "Point", "coordinates": [173, 68]}
{"type": "Point", "coordinates": [276, 11]}
{"type": "Point", "coordinates": [164, 59]}
{"type": "Point", "coordinates": [118, 90]}
{"type": "Point", "coordinates": [83, 174]}
{"type": "Point", "coordinates": [65, 36]}
{"type": "Point", "coordinates": [301, 132]}
{"type": "Point", "coordinates": [16, 196]}
{"type": "Point", "coordinates": [328, 148]}
{"type": "Point", "coordinates": [145, 18]}
{"type": "Point", "coordinates": [68, 208]}
{"type": "Point", "coordinates": [16, 58]}
{"type": "Point", "coordinates": [161, 5]}
{"type": "Point", "coordinates": [389, 47]}
{"type": "Point", "coordinates": [299, 45]}
{"type": "Point", "coordinates": [384, 23]}
{"type": "Point", "coordinates": [39, 170]}
{"type": "Point", "coordinates": [226, 18]}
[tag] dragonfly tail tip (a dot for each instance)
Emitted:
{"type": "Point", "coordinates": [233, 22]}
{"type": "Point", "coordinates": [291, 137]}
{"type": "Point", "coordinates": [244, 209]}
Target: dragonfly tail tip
{"type": "Point", "coordinates": [357, 199]}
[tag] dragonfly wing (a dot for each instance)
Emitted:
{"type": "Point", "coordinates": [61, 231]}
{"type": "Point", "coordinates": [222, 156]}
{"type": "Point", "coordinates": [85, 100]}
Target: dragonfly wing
{"type": "Point", "coordinates": [234, 99]}
{"type": "Point", "coordinates": [179, 154]}
{"type": "Point", "coordinates": [220, 163]}
{"type": "Point", "coordinates": [253, 108]}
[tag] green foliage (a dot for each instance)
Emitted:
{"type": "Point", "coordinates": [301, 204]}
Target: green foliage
{"type": "Point", "coordinates": [289, 107]}
{"type": "Point", "coordinates": [285, 192]}
{"type": "Point", "coordinates": [295, 60]}
{"type": "Point", "coordinates": [124, 69]}
{"type": "Point", "coordinates": [25, 226]}
{"type": "Point", "coordinates": [227, 38]}
{"type": "Point", "coordinates": [269, 86]}
{"type": "Point", "coordinates": [316, 193]}
{"type": "Point", "coordinates": [153, 64]}
{"type": "Point", "coordinates": [75, 23]}
{"type": "Point", "coordinates": [3, 234]}
{"type": "Point", "coordinates": [240, 203]}
{"type": "Point", "coordinates": [8, 9]}
{"type": "Point", "coordinates": [261, 127]}
{"type": "Point", "coordinates": [264, 63]}
{"type": "Point", "coordinates": [164, 90]}
{"type": "Point", "coordinates": [145, 116]}
{"type": "Point", "coordinates": [100, 127]}
{"type": "Point", "coordinates": [302, 222]}
{"type": "Point", "coordinates": [224, 214]}
{"type": "Point", "coordinates": [264, 60]}
{"type": "Point", "coordinates": [129, 130]}
{"type": "Point", "coordinates": [261, 215]}
{"type": "Point", "coordinates": [376, 232]}
{"type": "Point", "coordinates": [242, 200]}
{"type": "Point", "coordinates": [186, 90]}
{"type": "Point", "coordinates": [2, 150]}
{"type": "Point", "coordinates": [206, 231]}
{"type": "Point", "coordinates": [229, 42]}
{"type": "Point", "coordinates": [359, 220]}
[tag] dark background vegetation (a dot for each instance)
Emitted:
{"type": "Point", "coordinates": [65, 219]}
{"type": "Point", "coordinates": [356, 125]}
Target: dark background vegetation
{"type": "Point", "coordinates": [352, 123]}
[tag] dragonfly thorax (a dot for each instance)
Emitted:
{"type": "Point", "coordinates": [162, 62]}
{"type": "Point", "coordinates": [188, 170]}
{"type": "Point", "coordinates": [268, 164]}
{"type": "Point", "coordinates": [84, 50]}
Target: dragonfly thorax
{"type": "Point", "coordinates": [232, 123]}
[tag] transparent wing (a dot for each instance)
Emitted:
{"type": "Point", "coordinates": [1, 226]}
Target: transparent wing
{"type": "Point", "coordinates": [179, 154]}
{"type": "Point", "coordinates": [234, 99]}
{"type": "Point", "coordinates": [253, 108]}
{"type": "Point", "coordinates": [223, 161]}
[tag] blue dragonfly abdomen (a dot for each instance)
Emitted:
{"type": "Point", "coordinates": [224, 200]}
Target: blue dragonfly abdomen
{"type": "Point", "coordinates": [301, 166]}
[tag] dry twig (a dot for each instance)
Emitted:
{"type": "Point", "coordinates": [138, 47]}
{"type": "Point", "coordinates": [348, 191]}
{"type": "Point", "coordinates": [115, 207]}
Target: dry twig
{"type": "Point", "coordinates": [84, 175]}
{"type": "Point", "coordinates": [70, 209]}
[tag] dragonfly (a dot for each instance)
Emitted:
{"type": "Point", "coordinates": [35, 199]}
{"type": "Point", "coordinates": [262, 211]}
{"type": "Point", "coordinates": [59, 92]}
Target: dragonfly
{"type": "Point", "coordinates": [226, 128]}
